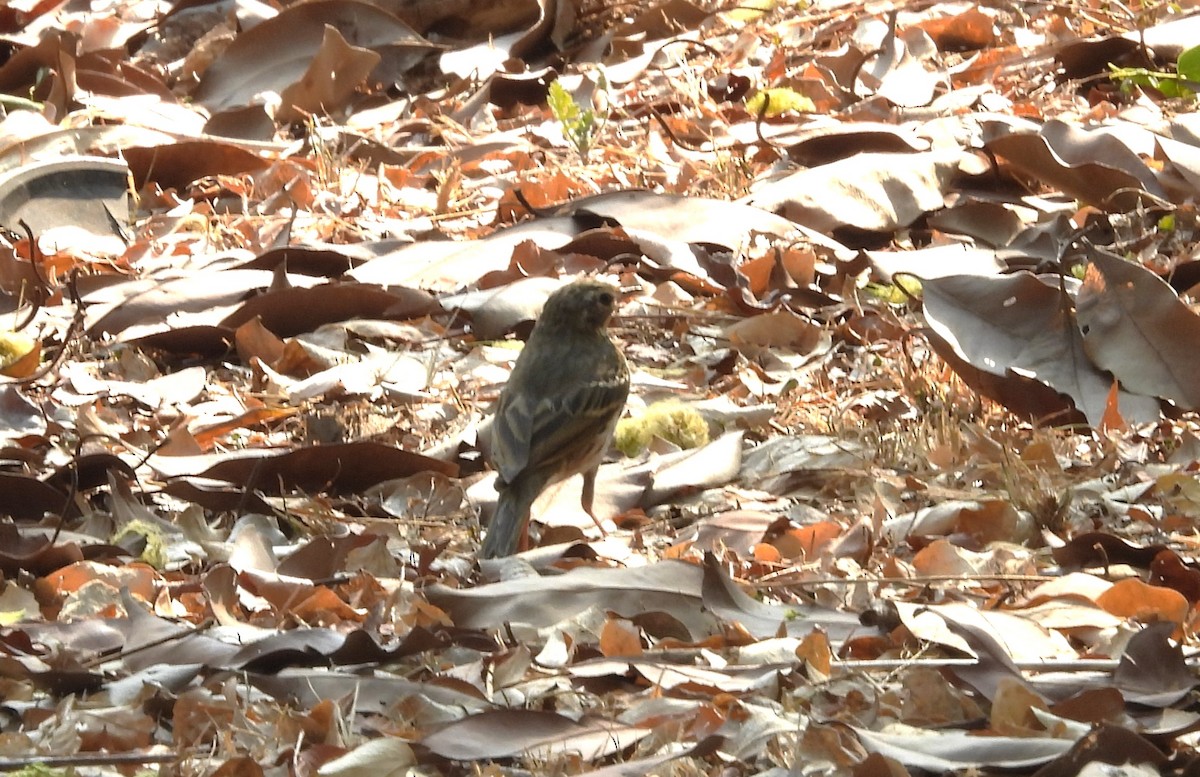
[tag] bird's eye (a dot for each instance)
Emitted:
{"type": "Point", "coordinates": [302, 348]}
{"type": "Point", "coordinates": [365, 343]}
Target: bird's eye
{"type": "Point", "coordinates": [606, 298]}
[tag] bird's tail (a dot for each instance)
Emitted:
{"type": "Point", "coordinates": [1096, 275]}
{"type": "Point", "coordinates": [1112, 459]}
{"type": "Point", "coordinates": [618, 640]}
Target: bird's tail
{"type": "Point", "coordinates": [508, 524]}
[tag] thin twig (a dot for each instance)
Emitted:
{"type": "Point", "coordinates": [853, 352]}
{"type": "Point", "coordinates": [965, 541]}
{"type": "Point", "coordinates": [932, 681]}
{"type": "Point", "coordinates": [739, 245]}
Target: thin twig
{"type": "Point", "coordinates": [126, 652]}
{"type": "Point", "coordinates": [771, 579]}
{"type": "Point", "coordinates": [88, 759]}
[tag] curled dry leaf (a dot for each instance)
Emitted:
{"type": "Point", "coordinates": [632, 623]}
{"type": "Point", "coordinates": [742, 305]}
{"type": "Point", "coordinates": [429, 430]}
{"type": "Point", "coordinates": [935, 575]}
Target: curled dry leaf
{"type": "Point", "coordinates": [1138, 329]}
{"type": "Point", "coordinates": [276, 54]}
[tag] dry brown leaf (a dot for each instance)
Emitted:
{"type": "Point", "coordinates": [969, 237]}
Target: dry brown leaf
{"type": "Point", "coordinates": [336, 71]}
{"type": "Point", "coordinates": [1135, 327]}
{"type": "Point", "coordinates": [619, 637]}
{"type": "Point", "coordinates": [279, 52]}
{"type": "Point", "coordinates": [877, 192]}
{"type": "Point", "coordinates": [1135, 599]}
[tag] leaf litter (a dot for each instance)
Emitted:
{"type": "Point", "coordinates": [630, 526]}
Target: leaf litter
{"type": "Point", "coordinates": [924, 278]}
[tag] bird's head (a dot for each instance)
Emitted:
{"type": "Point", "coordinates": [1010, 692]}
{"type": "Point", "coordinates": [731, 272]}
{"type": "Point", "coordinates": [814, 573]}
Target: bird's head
{"type": "Point", "coordinates": [585, 304]}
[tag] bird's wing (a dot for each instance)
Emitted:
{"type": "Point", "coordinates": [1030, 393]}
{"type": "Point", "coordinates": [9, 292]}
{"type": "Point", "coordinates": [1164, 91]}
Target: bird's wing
{"type": "Point", "coordinates": [510, 436]}
{"type": "Point", "coordinates": [535, 433]}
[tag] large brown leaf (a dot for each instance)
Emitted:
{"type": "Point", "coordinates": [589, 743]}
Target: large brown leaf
{"type": "Point", "coordinates": [1021, 324]}
{"type": "Point", "coordinates": [506, 733]}
{"type": "Point", "coordinates": [334, 74]}
{"type": "Point", "coordinates": [1135, 327]}
{"type": "Point", "coordinates": [875, 192]}
{"type": "Point", "coordinates": [277, 54]}
{"type": "Point", "coordinates": [349, 467]}
{"type": "Point", "coordinates": [1102, 167]}
{"type": "Point", "coordinates": [669, 586]}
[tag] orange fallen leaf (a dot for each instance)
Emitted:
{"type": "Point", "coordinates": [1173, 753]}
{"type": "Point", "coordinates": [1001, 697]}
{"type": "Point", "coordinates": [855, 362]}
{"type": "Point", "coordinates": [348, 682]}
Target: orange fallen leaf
{"type": "Point", "coordinates": [619, 637]}
{"type": "Point", "coordinates": [1135, 599]}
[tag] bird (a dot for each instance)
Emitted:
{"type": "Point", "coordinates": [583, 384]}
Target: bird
{"type": "Point", "coordinates": [557, 412]}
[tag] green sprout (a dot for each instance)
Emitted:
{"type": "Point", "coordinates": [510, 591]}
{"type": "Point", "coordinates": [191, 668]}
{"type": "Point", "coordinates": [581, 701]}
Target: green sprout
{"type": "Point", "coordinates": [155, 551]}
{"type": "Point", "coordinates": [579, 124]}
{"type": "Point", "coordinates": [1184, 82]}
{"type": "Point", "coordinates": [899, 292]}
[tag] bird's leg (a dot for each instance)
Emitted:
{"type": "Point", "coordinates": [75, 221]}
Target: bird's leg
{"type": "Point", "coordinates": [588, 495]}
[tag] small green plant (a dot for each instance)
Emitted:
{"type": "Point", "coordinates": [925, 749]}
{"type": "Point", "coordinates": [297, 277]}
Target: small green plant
{"type": "Point", "coordinates": [1184, 82]}
{"type": "Point", "coordinates": [579, 124]}
{"type": "Point", "coordinates": [899, 292]}
{"type": "Point", "coordinates": [40, 770]}
{"type": "Point", "coordinates": [155, 551]}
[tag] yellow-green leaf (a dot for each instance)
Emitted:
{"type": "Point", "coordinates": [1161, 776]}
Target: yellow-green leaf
{"type": "Point", "coordinates": [20, 355]}
{"type": "Point", "coordinates": [779, 101]}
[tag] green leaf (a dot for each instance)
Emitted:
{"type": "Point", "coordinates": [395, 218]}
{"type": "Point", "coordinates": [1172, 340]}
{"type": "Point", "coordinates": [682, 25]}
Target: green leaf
{"type": "Point", "coordinates": [582, 126]}
{"type": "Point", "coordinates": [1173, 88]}
{"type": "Point", "coordinates": [1188, 65]}
{"type": "Point", "coordinates": [562, 105]}
{"type": "Point", "coordinates": [1169, 84]}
